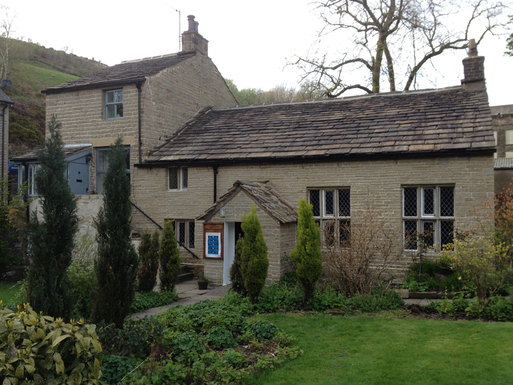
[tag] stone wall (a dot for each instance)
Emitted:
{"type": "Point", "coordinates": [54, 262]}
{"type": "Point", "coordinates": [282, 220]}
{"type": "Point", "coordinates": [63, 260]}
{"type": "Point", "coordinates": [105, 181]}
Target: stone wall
{"type": "Point", "coordinates": [377, 182]}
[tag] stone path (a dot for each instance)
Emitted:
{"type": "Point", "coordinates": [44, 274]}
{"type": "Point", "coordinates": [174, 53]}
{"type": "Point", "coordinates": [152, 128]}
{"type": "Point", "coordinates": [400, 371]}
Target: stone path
{"type": "Point", "coordinates": [188, 294]}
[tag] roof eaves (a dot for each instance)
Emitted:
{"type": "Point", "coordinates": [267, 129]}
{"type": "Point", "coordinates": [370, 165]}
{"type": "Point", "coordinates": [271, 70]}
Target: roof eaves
{"type": "Point", "coordinates": [103, 84]}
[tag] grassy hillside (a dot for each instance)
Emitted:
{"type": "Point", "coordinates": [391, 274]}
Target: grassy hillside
{"type": "Point", "coordinates": [34, 68]}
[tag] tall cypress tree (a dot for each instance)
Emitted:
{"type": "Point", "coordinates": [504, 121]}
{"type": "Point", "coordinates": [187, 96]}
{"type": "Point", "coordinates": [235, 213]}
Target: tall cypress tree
{"type": "Point", "coordinates": [169, 258]}
{"type": "Point", "coordinates": [254, 260]}
{"type": "Point", "coordinates": [307, 253]}
{"type": "Point", "coordinates": [149, 256]}
{"type": "Point", "coordinates": [52, 240]}
{"type": "Point", "coordinates": [117, 262]}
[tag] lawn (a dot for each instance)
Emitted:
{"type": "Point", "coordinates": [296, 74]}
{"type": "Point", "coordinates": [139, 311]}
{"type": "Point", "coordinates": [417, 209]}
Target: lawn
{"type": "Point", "coordinates": [8, 291]}
{"type": "Point", "coordinates": [391, 350]}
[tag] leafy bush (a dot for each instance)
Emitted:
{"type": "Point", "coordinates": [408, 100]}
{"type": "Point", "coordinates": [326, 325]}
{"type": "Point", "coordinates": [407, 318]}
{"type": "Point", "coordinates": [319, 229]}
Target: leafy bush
{"type": "Point", "coordinates": [150, 299]}
{"type": "Point", "coordinates": [219, 337]}
{"type": "Point", "coordinates": [497, 308]}
{"type": "Point", "coordinates": [254, 261]}
{"type": "Point", "coordinates": [135, 338]}
{"type": "Point", "coordinates": [264, 330]}
{"type": "Point", "coordinates": [307, 253]}
{"type": "Point", "coordinates": [114, 368]}
{"type": "Point", "coordinates": [436, 275]}
{"type": "Point", "coordinates": [169, 258]}
{"type": "Point", "coordinates": [38, 349]}
{"type": "Point", "coordinates": [83, 283]}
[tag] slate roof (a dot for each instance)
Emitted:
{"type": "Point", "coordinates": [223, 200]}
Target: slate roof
{"type": "Point", "coordinates": [124, 73]}
{"type": "Point", "coordinates": [263, 194]}
{"type": "Point", "coordinates": [430, 122]}
{"type": "Point", "coordinates": [4, 98]}
{"type": "Point", "coordinates": [68, 151]}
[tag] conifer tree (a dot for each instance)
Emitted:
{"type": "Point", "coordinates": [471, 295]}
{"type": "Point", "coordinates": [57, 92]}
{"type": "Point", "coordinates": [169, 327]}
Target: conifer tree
{"type": "Point", "coordinates": [254, 261]}
{"type": "Point", "coordinates": [117, 263]}
{"type": "Point", "coordinates": [52, 240]}
{"type": "Point", "coordinates": [169, 258]}
{"type": "Point", "coordinates": [235, 270]}
{"type": "Point", "coordinates": [307, 253]}
{"type": "Point", "coordinates": [149, 256]}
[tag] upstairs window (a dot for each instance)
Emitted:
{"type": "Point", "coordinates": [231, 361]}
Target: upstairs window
{"type": "Point", "coordinates": [113, 104]}
{"type": "Point", "coordinates": [178, 178]}
{"type": "Point", "coordinates": [332, 212]}
{"type": "Point", "coordinates": [428, 216]}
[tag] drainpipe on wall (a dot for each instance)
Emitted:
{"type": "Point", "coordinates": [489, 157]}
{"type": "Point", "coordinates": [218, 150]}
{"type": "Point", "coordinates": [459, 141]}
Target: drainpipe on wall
{"type": "Point", "coordinates": [138, 85]}
{"type": "Point", "coordinates": [215, 182]}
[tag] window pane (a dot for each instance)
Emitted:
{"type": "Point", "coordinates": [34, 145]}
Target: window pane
{"type": "Point", "coordinates": [127, 159]}
{"type": "Point", "coordinates": [185, 177]}
{"type": "Point", "coordinates": [99, 182]}
{"type": "Point", "coordinates": [118, 96]}
{"type": "Point", "coordinates": [173, 178]}
{"type": "Point", "coordinates": [446, 232]}
{"type": "Point", "coordinates": [344, 231]}
{"type": "Point", "coordinates": [329, 233]}
{"type": "Point", "coordinates": [119, 110]}
{"type": "Point", "coordinates": [410, 235]}
{"type": "Point", "coordinates": [191, 235]}
{"type": "Point", "coordinates": [315, 201]}
{"type": "Point", "coordinates": [344, 203]}
{"type": "Point", "coordinates": [428, 233]}
{"type": "Point", "coordinates": [181, 232]}
{"type": "Point", "coordinates": [110, 111]}
{"type": "Point", "coordinates": [410, 202]}
{"type": "Point", "coordinates": [428, 201]}
{"type": "Point", "coordinates": [447, 201]}
{"type": "Point", "coordinates": [109, 97]}
{"type": "Point", "coordinates": [329, 202]}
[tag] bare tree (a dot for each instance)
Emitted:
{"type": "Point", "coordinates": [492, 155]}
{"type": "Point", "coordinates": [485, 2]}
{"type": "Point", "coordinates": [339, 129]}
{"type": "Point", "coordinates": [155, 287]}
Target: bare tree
{"type": "Point", "coordinates": [394, 38]}
{"type": "Point", "coordinates": [5, 35]}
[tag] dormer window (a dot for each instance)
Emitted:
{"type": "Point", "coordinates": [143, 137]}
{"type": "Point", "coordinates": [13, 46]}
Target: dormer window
{"type": "Point", "coordinates": [113, 104]}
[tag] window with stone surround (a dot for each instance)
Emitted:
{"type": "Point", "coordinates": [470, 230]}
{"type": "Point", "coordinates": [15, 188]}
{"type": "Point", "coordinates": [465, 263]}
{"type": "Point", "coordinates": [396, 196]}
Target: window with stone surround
{"type": "Point", "coordinates": [178, 178]}
{"type": "Point", "coordinates": [185, 232]}
{"type": "Point", "coordinates": [332, 212]}
{"type": "Point", "coordinates": [102, 163]}
{"type": "Point", "coordinates": [113, 104]}
{"type": "Point", "coordinates": [428, 210]}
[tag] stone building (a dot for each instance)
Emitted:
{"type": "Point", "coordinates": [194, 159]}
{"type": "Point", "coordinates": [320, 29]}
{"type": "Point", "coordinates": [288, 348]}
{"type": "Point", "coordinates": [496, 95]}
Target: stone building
{"type": "Point", "coordinates": [422, 159]}
{"type": "Point", "coordinates": [502, 120]}
{"type": "Point", "coordinates": [5, 103]}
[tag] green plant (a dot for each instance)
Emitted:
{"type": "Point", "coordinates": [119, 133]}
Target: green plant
{"type": "Point", "coordinates": [219, 337]}
{"type": "Point", "coordinates": [264, 330]}
{"type": "Point", "coordinates": [83, 284]}
{"type": "Point", "coordinates": [169, 256]}
{"type": "Point", "coordinates": [235, 271]}
{"type": "Point", "coordinates": [40, 349]}
{"type": "Point", "coordinates": [148, 254]}
{"type": "Point", "coordinates": [52, 241]}
{"type": "Point", "coordinates": [150, 299]}
{"type": "Point", "coordinates": [114, 368]}
{"type": "Point", "coordinates": [307, 252]}
{"type": "Point", "coordinates": [117, 262]}
{"type": "Point", "coordinates": [254, 261]}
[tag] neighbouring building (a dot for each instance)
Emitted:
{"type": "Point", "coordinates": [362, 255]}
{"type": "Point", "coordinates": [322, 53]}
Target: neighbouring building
{"type": "Point", "coordinates": [502, 120]}
{"type": "Point", "coordinates": [5, 103]}
{"type": "Point", "coordinates": [422, 159]}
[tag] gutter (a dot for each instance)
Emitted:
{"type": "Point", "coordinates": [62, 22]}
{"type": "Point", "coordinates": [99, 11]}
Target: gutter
{"type": "Point", "coordinates": [105, 84]}
{"type": "Point", "coordinates": [139, 90]}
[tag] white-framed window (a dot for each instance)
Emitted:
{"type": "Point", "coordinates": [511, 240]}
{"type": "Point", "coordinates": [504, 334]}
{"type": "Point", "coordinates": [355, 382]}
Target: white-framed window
{"type": "Point", "coordinates": [178, 178]}
{"type": "Point", "coordinates": [185, 232]}
{"type": "Point", "coordinates": [428, 211]}
{"type": "Point", "coordinates": [31, 178]}
{"type": "Point", "coordinates": [332, 211]}
{"type": "Point", "coordinates": [102, 164]}
{"type": "Point", "coordinates": [113, 104]}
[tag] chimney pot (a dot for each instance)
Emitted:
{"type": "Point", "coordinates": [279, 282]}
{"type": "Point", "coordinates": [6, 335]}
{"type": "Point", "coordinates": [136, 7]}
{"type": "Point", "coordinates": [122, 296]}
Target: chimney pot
{"type": "Point", "coordinates": [192, 40]}
{"type": "Point", "coordinates": [472, 47]}
{"type": "Point", "coordinates": [192, 23]}
{"type": "Point", "coordinates": [473, 69]}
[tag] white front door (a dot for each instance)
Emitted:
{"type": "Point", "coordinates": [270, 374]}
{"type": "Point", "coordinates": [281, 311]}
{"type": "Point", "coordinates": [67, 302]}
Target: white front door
{"type": "Point", "coordinates": [229, 250]}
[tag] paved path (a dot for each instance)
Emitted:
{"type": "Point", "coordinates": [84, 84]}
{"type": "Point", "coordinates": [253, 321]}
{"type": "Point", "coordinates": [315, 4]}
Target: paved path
{"type": "Point", "coordinates": [188, 294]}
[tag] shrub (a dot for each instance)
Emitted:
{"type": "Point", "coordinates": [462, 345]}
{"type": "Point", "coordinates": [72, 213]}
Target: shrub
{"type": "Point", "coordinates": [38, 349]}
{"type": "Point", "coordinates": [169, 258]}
{"type": "Point", "coordinates": [219, 337]}
{"type": "Point", "coordinates": [114, 368]}
{"type": "Point", "coordinates": [307, 253]}
{"type": "Point", "coordinates": [83, 284]}
{"type": "Point", "coordinates": [52, 241]}
{"type": "Point", "coordinates": [149, 299]}
{"type": "Point", "coordinates": [148, 254]}
{"type": "Point", "coordinates": [117, 262]}
{"type": "Point", "coordinates": [264, 330]}
{"type": "Point", "coordinates": [254, 261]}
{"type": "Point", "coordinates": [358, 263]}
{"type": "Point", "coordinates": [235, 271]}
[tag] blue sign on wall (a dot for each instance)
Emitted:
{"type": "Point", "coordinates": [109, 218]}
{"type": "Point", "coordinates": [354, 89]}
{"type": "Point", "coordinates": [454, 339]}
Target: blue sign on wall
{"type": "Point", "coordinates": [213, 244]}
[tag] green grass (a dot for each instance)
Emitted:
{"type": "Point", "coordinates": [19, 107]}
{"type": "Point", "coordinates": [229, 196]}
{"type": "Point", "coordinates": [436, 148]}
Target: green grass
{"type": "Point", "coordinates": [8, 291]}
{"type": "Point", "coordinates": [379, 350]}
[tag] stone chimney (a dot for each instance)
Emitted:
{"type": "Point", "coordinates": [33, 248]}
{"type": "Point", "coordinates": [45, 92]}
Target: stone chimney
{"type": "Point", "coordinates": [192, 40]}
{"type": "Point", "coordinates": [473, 68]}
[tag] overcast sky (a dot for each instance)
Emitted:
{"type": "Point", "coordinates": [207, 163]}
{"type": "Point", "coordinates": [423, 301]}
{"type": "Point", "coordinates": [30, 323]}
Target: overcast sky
{"type": "Point", "coordinates": [249, 41]}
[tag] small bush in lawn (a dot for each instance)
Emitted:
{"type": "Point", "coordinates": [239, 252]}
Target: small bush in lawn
{"type": "Point", "coordinates": [264, 330]}
{"type": "Point", "coordinates": [149, 257]}
{"type": "Point", "coordinates": [169, 258]}
{"type": "Point", "coordinates": [254, 259]}
{"type": "Point", "coordinates": [219, 337]}
{"type": "Point", "coordinates": [38, 349]}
